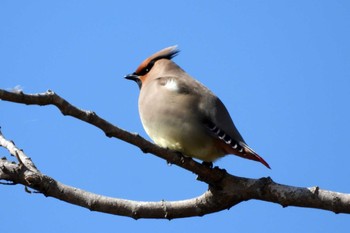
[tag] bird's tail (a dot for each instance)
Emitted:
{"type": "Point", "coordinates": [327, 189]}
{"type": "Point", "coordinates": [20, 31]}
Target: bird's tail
{"type": "Point", "coordinates": [232, 146]}
{"type": "Point", "coordinates": [249, 153]}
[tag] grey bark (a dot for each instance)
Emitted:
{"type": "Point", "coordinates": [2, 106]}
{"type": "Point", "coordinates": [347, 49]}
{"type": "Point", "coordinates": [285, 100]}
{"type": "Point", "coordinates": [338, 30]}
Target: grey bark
{"type": "Point", "coordinates": [224, 192]}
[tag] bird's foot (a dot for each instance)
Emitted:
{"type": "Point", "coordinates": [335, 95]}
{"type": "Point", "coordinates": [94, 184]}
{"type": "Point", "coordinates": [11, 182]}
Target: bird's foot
{"type": "Point", "coordinates": [208, 164]}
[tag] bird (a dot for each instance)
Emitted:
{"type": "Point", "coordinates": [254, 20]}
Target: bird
{"type": "Point", "coordinates": [181, 114]}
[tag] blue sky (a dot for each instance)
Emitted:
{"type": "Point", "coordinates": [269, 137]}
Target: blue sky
{"type": "Point", "coordinates": [282, 68]}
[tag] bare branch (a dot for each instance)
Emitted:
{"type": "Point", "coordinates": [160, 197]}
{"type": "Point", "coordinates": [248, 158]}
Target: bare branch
{"type": "Point", "coordinates": [204, 204]}
{"type": "Point", "coordinates": [51, 98]}
{"type": "Point", "coordinates": [14, 151]}
{"type": "Point", "coordinates": [225, 190]}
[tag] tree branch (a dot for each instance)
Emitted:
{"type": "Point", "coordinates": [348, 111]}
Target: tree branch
{"type": "Point", "coordinates": [225, 190]}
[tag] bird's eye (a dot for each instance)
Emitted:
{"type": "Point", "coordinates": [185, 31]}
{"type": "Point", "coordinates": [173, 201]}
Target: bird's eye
{"type": "Point", "coordinates": [146, 69]}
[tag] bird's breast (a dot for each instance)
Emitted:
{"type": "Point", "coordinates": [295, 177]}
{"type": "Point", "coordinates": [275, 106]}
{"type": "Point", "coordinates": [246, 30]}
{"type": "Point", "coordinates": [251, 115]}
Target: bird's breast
{"type": "Point", "coordinates": [173, 121]}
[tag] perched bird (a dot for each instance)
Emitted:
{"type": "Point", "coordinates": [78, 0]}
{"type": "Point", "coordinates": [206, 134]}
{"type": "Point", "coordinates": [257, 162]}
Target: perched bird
{"type": "Point", "coordinates": [181, 114]}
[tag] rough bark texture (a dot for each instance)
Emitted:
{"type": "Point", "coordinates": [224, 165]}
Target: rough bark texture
{"type": "Point", "coordinates": [224, 191]}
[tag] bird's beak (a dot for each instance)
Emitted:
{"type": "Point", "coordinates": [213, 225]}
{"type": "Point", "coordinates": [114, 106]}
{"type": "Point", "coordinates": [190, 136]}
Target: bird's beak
{"type": "Point", "coordinates": [135, 78]}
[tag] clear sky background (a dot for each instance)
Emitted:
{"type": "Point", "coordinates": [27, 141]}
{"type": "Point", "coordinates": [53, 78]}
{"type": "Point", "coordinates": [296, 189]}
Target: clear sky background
{"type": "Point", "coordinates": [282, 68]}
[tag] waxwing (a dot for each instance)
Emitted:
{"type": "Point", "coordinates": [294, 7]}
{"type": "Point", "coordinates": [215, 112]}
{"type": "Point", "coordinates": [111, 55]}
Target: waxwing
{"type": "Point", "coordinates": [181, 114]}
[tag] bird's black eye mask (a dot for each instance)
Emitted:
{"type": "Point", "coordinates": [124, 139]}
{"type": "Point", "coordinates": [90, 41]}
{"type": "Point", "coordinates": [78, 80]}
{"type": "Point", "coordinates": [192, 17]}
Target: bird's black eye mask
{"type": "Point", "coordinates": [149, 66]}
{"type": "Point", "coordinates": [146, 69]}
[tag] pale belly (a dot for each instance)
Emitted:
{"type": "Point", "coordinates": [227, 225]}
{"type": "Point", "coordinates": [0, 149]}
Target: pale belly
{"type": "Point", "coordinates": [187, 137]}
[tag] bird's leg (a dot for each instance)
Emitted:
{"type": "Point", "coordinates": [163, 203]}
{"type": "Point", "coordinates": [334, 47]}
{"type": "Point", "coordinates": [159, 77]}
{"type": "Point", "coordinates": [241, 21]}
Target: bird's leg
{"type": "Point", "coordinates": [181, 159]}
{"type": "Point", "coordinates": [208, 164]}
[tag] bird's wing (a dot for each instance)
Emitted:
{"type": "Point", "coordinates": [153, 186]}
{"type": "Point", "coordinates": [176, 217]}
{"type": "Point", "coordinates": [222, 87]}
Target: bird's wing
{"type": "Point", "coordinates": [213, 114]}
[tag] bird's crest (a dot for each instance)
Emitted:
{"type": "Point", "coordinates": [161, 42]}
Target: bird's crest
{"type": "Point", "coordinates": [146, 65]}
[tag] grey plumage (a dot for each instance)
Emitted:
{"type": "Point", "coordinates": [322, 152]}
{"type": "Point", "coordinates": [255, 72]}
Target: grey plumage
{"type": "Point", "coordinates": [181, 114]}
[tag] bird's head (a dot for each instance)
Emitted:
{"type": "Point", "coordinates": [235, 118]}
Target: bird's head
{"type": "Point", "coordinates": [142, 72]}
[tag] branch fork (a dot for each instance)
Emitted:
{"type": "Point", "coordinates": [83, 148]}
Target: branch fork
{"type": "Point", "coordinates": [225, 190]}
